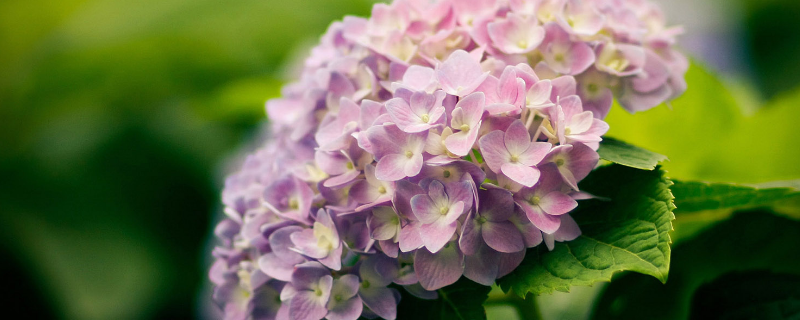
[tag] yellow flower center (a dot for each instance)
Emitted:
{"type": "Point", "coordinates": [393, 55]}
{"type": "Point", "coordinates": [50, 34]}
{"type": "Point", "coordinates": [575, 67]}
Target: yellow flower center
{"type": "Point", "coordinates": [324, 236]}
{"type": "Point", "coordinates": [409, 154]}
{"type": "Point", "coordinates": [426, 118]}
{"type": "Point", "coordinates": [382, 190]}
{"type": "Point", "coordinates": [443, 210]}
{"type": "Point", "coordinates": [294, 204]}
{"type": "Point", "coordinates": [534, 200]}
{"type": "Point", "coordinates": [464, 127]}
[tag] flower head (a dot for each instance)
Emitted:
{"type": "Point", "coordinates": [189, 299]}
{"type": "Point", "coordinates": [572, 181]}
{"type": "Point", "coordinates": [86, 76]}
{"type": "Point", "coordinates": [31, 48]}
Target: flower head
{"type": "Point", "coordinates": [434, 140]}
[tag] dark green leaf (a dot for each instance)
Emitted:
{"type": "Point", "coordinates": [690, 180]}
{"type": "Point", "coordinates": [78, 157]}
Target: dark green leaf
{"type": "Point", "coordinates": [746, 241]}
{"type": "Point", "coordinates": [628, 155]}
{"type": "Point", "coordinates": [462, 300]}
{"type": "Point", "coordinates": [698, 196]}
{"type": "Point", "coordinates": [701, 205]}
{"type": "Point", "coordinates": [749, 295]}
{"type": "Point", "coordinates": [628, 232]}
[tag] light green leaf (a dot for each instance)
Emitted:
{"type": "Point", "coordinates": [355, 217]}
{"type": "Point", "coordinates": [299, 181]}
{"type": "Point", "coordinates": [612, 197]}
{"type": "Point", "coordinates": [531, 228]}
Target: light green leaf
{"type": "Point", "coordinates": [628, 232]}
{"type": "Point", "coordinates": [628, 155]}
{"type": "Point", "coordinates": [462, 300]}
{"type": "Point", "coordinates": [748, 241]}
{"type": "Point", "coordinates": [709, 138]}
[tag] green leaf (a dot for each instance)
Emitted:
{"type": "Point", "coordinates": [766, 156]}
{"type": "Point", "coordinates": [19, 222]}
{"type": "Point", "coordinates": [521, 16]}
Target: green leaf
{"type": "Point", "coordinates": [700, 204]}
{"type": "Point", "coordinates": [628, 232]}
{"type": "Point", "coordinates": [747, 241]}
{"type": "Point", "coordinates": [709, 138]}
{"type": "Point", "coordinates": [698, 196]}
{"type": "Point", "coordinates": [749, 295]}
{"type": "Point", "coordinates": [462, 300]}
{"type": "Point", "coordinates": [628, 155]}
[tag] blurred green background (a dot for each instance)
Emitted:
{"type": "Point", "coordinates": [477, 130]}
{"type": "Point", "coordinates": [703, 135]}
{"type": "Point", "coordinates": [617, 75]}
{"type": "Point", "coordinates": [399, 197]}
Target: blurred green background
{"type": "Point", "coordinates": [119, 119]}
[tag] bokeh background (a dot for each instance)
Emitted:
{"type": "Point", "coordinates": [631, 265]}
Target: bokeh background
{"type": "Point", "coordinates": [119, 120]}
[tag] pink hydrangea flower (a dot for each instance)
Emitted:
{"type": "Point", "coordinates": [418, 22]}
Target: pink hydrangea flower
{"type": "Point", "coordinates": [431, 141]}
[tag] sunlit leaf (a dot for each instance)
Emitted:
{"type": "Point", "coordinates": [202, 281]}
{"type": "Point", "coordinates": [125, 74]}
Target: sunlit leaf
{"type": "Point", "coordinates": [625, 154]}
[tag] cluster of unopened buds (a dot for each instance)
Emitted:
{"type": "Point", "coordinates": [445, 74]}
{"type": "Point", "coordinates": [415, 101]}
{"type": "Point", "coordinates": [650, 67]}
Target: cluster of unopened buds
{"type": "Point", "coordinates": [430, 141]}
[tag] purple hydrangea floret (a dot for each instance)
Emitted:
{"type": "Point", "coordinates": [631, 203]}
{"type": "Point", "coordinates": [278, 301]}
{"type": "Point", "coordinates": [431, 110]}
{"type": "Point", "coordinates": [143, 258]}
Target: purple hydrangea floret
{"type": "Point", "coordinates": [434, 140]}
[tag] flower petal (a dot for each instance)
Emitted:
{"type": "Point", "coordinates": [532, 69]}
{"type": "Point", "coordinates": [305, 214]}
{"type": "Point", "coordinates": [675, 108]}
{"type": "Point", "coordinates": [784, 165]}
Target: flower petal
{"type": "Point", "coordinates": [493, 150]}
{"type": "Point", "coordinates": [437, 234]}
{"type": "Point", "coordinates": [438, 270]}
{"type": "Point", "coordinates": [502, 236]}
{"type": "Point", "coordinates": [557, 203]}
{"type": "Point", "coordinates": [522, 174]}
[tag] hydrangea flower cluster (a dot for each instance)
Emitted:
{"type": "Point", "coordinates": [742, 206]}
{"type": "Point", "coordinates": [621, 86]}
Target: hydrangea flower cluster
{"type": "Point", "coordinates": [433, 140]}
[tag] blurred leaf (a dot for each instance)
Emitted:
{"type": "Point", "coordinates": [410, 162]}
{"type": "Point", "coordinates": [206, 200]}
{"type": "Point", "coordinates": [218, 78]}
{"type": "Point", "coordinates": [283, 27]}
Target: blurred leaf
{"type": "Point", "coordinates": [699, 196]}
{"type": "Point", "coordinates": [95, 271]}
{"type": "Point", "coordinates": [748, 241]}
{"type": "Point", "coordinates": [628, 232]}
{"type": "Point", "coordinates": [115, 116]}
{"type": "Point", "coordinates": [748, 295]}
{"type": "Point", "coordinates": [707, 137]}
{"type": "Point", "coordinates": [462, 300]}
{"type": "Point", "coordinates": [628, 155]}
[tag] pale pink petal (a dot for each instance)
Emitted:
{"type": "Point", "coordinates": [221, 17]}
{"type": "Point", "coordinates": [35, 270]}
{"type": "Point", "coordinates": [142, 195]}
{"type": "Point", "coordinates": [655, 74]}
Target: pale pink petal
{"type": "Point", "coordinates": [436, 235]}
{"type": "Point", "coordinates": [482, 266]}
{"type": "Point", "coordinates": [438, 270]}
{"type": "Point", "coordinates": [460, 74]}
{"type": "Point", "coordinates": [507, 262]}
{"type": "Point", "coordinates": [569, 229]}
{"type": "Point", "coordinates": [515, 34]}
{"type": "Point", "coordinates": [517, 138]}
{"type": "Point", "coordinates": [535, 153]}
{"type": "Point", "coordinates": [470, 239]}
{"type": "Point", "coordinates": [494, 150]}
{"type": "Point", "coordinates": [520, 173]}
{"type": "Point", "coordinates": [412, 166]}
{"type": "Point", "coordinates": [392, 167]}
{"type": "Point", "coordinates": [410, 238]}
{"type": "Point", "coordinates": [425, 209]}
{"type": "Point", "coordinates": [402, 115]}
{"type": "Point", "coordinates": [541, 219]}
{"type": "Point", "coordinates": [581, 122]}
{"type": "Point", "coordinates": [557, 203]}
{"type": "Point", "coordinates": [502, 236]}
{"type": "Point", "coordinates": [306, 305]}
{"type": "Point", "coordinates": [460, 143]}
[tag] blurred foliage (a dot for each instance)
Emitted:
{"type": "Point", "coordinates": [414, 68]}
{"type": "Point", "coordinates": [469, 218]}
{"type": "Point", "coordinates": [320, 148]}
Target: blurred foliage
{"type": "Point", "coordinates": [770, 28]}
{"type": "Point", "coordinates": [115, 117]}
{"type": "Point", "coordinates": [748, 295]}
{"type": "Point", "coordinates": [462, 300]}
{"type": "Point", "coordinates": [707, 137]}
